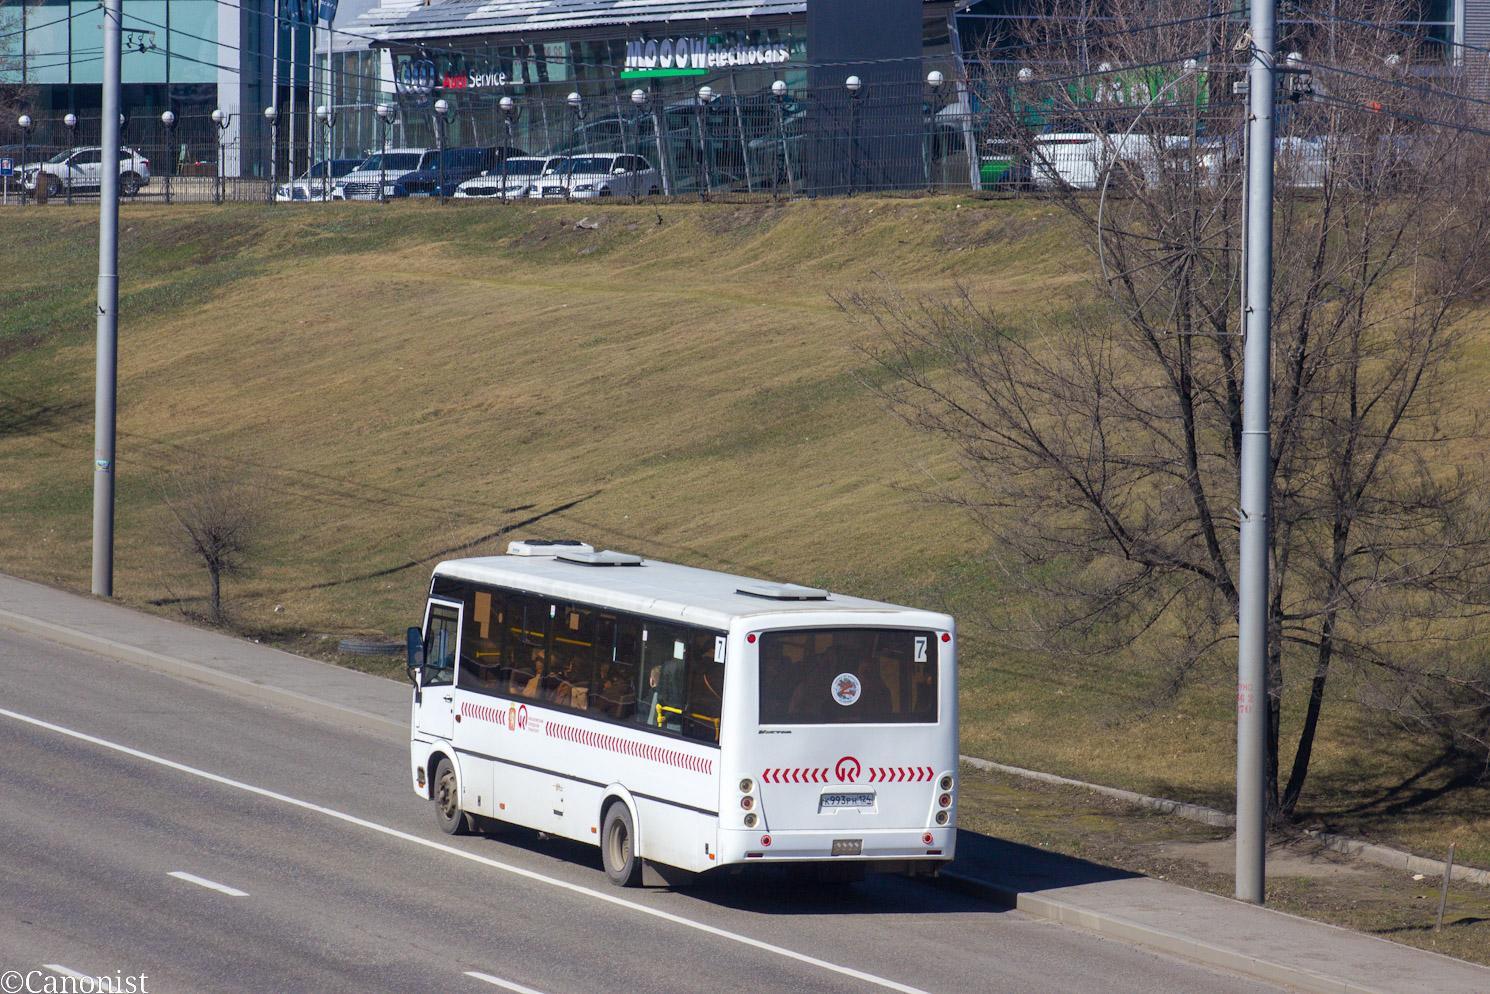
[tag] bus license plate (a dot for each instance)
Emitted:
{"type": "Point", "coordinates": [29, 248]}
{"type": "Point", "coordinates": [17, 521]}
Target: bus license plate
{"type": "Point", "coordinates": [846, 801]}
{"type": "Point", "coordinates": [848, 847]}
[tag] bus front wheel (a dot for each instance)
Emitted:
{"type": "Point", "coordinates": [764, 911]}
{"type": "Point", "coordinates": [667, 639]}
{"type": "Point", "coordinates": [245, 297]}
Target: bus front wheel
{"type": "Point", "coordinates": [447, 800]}
{"type": "Point", "coordinates": [618, 849]}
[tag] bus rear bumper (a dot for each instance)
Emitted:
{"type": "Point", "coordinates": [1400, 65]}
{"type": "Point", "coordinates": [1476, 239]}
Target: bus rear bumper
{"type": "Point", "coordinates": [908, 845]}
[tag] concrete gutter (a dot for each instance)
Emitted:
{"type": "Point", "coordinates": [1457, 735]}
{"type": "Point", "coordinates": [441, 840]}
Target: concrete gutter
{"type": "Point", "coordinates": [1386, 856]}
{"type": "Point", "coordinates": [1152, 937]}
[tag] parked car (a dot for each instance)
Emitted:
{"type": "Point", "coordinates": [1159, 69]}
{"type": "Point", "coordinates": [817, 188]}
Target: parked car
{"type": "Point", "coordinates": [519, 173]}
{"type": "Point", "coordinates": [80, 169]}
{"type": "Point", "coordinates": [387, 167]}
{"type": "Point", "coordinates": [456, 165]}
{"type": "Point", "coordinates": [311, 185]}
{"type": "Point", "coordinates": [584, 176]}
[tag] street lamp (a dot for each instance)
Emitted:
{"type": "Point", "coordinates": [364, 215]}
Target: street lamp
{"type": "Point", "coordinates": [71, 120]}
{"type": "Point", "coordinates": [507, 104]}
{"type": "Point", "coordinates": [934, 81]}
{"type": "Point", "coordinates": [327, 118]}
{"type": "Point", "coordinates": [576, 104]}
{"type": "Point", "coordinates": [25, 122]}
{"type": "Point", "coordinates": [639, 101]}
{"type": "Point", "coordinates": [222, 119]}
{"type": "Point", "coordinates": [442, 121]}
{"type": "Point", "coordinates": [168, 120]}
{"type": "Point", "coordinates": [385, 118]}
{"type": "Point", "coordinates": [705, 95]}
{"type": "Point", "coordinates": [778, 97]}
{"type": "Point", "coordinates": [855, 86]}
{"type": "Point", "coordinates": [271, 115]}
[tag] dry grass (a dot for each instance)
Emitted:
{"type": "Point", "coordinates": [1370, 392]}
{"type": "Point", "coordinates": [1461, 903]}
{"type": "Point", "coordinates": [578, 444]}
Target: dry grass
{"type": "Point", "coordinates": [412, 383]}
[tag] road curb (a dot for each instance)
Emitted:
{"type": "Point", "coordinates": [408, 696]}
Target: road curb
{"type": "Point", "coordinates": [359, 719]}
{"type": "Point", "coordinates": [1165, 941]}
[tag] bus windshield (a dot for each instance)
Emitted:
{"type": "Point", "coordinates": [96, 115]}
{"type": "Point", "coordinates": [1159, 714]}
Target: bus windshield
{"type": "Point", "coordinates": [842, 676]}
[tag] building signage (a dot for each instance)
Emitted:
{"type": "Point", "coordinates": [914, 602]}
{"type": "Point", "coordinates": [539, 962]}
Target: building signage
{"type": "Point", "coordinates": [416, 76]}
{"type": "Point", "coordinates": [475, 80]}
{"type": "Point", "coordinates": [695, 56]}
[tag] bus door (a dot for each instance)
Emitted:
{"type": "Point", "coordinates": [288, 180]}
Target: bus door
{"type": "Point", "coordinates": [436, 711]}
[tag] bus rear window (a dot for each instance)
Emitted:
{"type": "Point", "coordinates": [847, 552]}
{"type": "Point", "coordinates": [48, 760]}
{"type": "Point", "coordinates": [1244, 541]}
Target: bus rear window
{"type": "Point", "coordinates": [847, 676]}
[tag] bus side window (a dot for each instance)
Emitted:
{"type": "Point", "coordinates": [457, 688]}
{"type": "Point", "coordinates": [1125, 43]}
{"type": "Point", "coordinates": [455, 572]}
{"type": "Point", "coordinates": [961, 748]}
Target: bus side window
{"type": "Point", "coordinates": [527, 630]}
{"type": "Point", "coordinates": [617, 650]}
{"type": "Point", "coordinates": [481, 642]}
{"type": "Point", "coordinates": [664, 658]}
{"type": "Point", "coordinates": [439, 647]}
{"type": "Point", "coordinates": [568, 682]}
{"type": "Point", "coordinates": [705, 686]}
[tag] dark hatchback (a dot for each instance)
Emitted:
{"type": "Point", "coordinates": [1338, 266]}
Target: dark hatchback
{"type": "Point", "coordinates": [460, 164]}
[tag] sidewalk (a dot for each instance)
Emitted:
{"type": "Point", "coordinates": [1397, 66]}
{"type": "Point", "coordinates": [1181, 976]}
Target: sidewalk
{"type": "Point", "coordinates": [1203, 927]}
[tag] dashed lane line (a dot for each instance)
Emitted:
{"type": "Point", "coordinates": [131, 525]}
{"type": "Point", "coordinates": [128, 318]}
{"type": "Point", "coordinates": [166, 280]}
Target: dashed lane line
{"type": "Point", "coordinates": [667, 916]}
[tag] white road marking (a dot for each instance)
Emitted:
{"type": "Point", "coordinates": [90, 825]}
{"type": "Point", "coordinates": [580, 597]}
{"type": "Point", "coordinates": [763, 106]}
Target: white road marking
{"type": "Point", "coordinates": [192, 878]}
{"type": "Point", "coordinates": [102, 984]}
{"type": "Point", "coordinates": [745, 940]}
{"type": "Point", "coordinates": [509, 985]}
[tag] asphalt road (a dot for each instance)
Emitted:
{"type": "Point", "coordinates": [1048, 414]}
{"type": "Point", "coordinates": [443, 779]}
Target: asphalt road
{"type": "Point", "coordinates": [130, 800]}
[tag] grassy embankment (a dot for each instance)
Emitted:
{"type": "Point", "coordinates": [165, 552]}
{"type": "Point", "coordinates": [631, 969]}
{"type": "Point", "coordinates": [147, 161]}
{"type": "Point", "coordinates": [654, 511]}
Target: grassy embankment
{"type": "Point", "coordinates": [412, 382]}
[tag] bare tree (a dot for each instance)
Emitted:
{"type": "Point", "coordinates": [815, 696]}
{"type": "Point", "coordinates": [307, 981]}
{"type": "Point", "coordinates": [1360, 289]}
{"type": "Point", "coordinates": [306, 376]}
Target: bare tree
{"type": "Point", "coordinates": [215, 515]}
{"type": "Point", "coordinates": [1103, 456]}
{"type": "Point", "coordinates": [16, 98]}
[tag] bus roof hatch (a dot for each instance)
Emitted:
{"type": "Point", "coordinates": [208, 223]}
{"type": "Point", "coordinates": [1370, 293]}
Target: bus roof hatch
{"type": "Point", "coordinates": [782, 591]}
{"type": "Point", "coordinates": [606, 558]}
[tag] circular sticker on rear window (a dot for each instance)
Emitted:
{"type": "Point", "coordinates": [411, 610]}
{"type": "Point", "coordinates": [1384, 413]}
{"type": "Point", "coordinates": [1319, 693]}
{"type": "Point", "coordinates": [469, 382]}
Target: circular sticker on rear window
{"type": "Point", "coordinates": [846, 688]}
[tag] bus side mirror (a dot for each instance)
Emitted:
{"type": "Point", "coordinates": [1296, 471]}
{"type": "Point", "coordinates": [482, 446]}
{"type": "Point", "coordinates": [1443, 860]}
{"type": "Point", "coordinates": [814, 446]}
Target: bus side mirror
{"type": "Point", "coordinates": [415, 639]}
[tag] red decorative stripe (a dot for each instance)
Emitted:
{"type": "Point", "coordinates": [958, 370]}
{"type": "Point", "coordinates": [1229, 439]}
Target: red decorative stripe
{"type": "Point", "coordinates": [628, 747]}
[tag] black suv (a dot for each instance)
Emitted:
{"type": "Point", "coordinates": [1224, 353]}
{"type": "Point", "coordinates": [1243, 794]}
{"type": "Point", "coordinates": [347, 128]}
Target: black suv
{"type": "Point", "coordinates": [460, 164]}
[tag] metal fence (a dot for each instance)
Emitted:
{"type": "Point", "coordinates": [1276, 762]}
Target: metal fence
{"type": "Point", "coordinates": [730, 146]}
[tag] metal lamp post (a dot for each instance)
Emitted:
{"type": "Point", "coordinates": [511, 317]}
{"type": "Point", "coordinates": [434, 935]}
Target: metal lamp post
{"type": "Point", "coordinates": [271, 114]}
{"type": "Point", "coordinates": [385, 117]}
{"type": "Point", "coordinates": [934, 81]}
{"type": "Point", "coordinates": [327, 118]}
{"type": "Point", "coordinates": [855, 86]}
{"type": "Point", "coordinates": [71, 120]}
{"type": "Point", "coordinates": [705, 95]}
{"type": "Point", "coordinates": [507, 104]}
{"type": "Point", "coordinates": [442, 121]}
{"type": "Point", "coordinates": [168, 121]}
{"type": "Point", "coordinates": [222, 119]}
{"type": "Point", "coordinates": [25, 122]}
{"type": "Point", "coordinates": [639, 101]}
{"type": "Point", "coordinates": [576, 104]}
{"type": "Point", "coordinates": [779, 96]}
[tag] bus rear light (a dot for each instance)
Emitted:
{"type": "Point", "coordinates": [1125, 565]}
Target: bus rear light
{"type": "Point", "coordinates": [747, 785]}
{"type": "Point", "coordinates": [946, 637]}
{"type": "Point", "coordinates": [750, 638]}
{"type": "Point", "coordinates": [947, 782]}
{"type": "Point", "coordinates": [765, 842]}
{"type": "Point", "coordinates": [927, 839]}
{"type": "Point", "coordinates": [941, 817]}
{"type": "Point", "coordinates": [945, 800]}
{"type": "Point", "coordinates": [747, 802]}
{"type": "Point", "coordinates": [754, 855]}
{"type": "Point", "coordinates": [750, 820]}
{"type": "Point", "coordinates": [933, 852]}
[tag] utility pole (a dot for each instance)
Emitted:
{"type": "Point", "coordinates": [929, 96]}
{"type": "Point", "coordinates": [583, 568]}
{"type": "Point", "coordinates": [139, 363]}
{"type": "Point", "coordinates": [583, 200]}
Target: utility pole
{"type": "Point", "coordinates": [1256, 467]}
{"type": "Point", "coordinates": [106, 382]}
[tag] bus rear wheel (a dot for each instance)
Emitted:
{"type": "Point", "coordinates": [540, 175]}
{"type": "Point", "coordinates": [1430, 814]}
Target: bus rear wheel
{"type": "Point", "coordinates": [447, 801]}
{"type": "Point", "coordinates": [618, 848]}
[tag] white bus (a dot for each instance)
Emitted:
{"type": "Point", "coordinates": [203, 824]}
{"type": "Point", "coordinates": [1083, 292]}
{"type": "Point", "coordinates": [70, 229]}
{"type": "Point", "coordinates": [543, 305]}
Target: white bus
{"type": "Point", "coordinates": [683, 719]}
